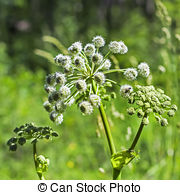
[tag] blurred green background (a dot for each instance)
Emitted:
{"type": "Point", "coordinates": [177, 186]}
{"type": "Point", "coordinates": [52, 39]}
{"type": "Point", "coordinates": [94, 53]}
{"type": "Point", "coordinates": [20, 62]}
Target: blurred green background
{"type": "Point", "coordinates": [150, 29]}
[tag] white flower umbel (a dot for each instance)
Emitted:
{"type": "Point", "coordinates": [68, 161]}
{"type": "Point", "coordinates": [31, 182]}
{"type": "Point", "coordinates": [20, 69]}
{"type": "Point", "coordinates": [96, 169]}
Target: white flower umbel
{"type": "Point", "coordinates": [81, 85]}
{"type": "Point", "coordinates": [125, 90]}
{"type": "Point", "coordinates": [49, 89]}
{"type": "Point", "coordinates": [86, 107]}
{"type": "Point", "coordinates": [130, 74]}
{"type": "Point", "coordinates": [124, 48]}
{"type": "Point", "coordinates": [89, 49]}
{"type": "Point", "coordinates": [95, 100]}
{"type": "Point", "coordinates": [106, 65]}
{"type": "Point", "coordinates": [99, 78]}
{"type": "Point", "coordinates": [98, 41]}
{"type": "Point", "coordinates": [97, 58]}
{"type": "Point", "coordinates": [59, 119]}
{"type": "Point", "coordinates": [60, 78]}
{"type": "Point", "coordinates": [62, 60]}
{"type": "Point", "coordinates": [75, 48]}
{"type": "Point", "coordinates": [64, 91]}
{"type": "Point", "coordinates": [79, 62]}
{"type": "Point", "coordinates": [143, 69]}
{"type": "Point", "coordinates": [114, 47]}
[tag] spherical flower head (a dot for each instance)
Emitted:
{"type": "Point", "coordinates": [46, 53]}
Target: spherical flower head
{"type": "Point", "coordinates": [114, 47]}
{"type": "Point", "coordinates": [60, 78]}
{"type": "Point", "coordinates": [75, 48]}
{"type": "Point", "coordinates": [95, 100]}
{"type": "Point", "coordinates": [89, 49]}
{"type": "Point", "coordinates": [81, 85]}
{"type": "Point", "coordinates": [99, 77]}
{"type": "Point", "coordinates": [106, 65]}
{"type": "Point", "coordinates": [86, 107]}
{"type": "Point", "coordinates": [47, 105]}
{"type": "Point", "coordinates": [143, 69]}
{"type": "Point", "coordinates": [53, 115]}
{"type": "Point", "coordinates": [63, 60]}
{"type": "Point", "coordinates": [123, 48]}
{"type": "Point", "coordinates": [64, 91]}
{"type": "Point", "coordinates": [97, 58]}
{"type": "Point", "coordinates": [126, 90]}
{"type": "Point", "coordinates": [130, 74]}
{"type": "Point", "coordinates": [59, 119]}
{"type": "Point", "coordinates": [68, 69]}
{"type": "Point", "coordinates": [60, 106]}
{"type": "Point", "coordinates": [79, 62]}
{"type": "Point", "coordinates": [98, 41]}
{"type": "Point", "coordinates": [48, 88]}
{"type": "Point", "coordinates": [50, 79]}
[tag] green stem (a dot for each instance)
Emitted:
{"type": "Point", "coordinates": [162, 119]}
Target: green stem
{"type": "Point", "coordinates": [113, 70]}
{"type": "Point", "coordinates": [137, 135]}
{"type": "Point", "coordinates": [106, 124]}
{"type": "Point", "coordinates": [41, 177]}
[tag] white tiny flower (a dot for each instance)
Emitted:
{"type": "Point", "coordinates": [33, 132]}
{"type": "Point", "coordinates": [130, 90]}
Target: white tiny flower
{"type": "Point", "coordinates": [95, 100]}
{"type": "Point", "coordinates": [114, 47]}
{"type": "Point", "coordinates": [98, 41]}
{"type": "Point", "coordinates": [106, 65]}
{"type": "Point", "coordinates": [97, 58]}
{"type": "Point", "coordinates": [125, 90]}
{"type": "Point", "coordinates": [64, 91]}
{"type": "Point", "coordinates": [99, 77]}
{"type": "Point", "coordinates": [59, 119]}
{"type": "Point", "coordinates": [75, 48]}
{"type": "Point", "coordinates": [124, 48]}
{"type": "Point", "coordinates": [79, 62]}
{"type": "Point", "coordinates": [60, 78]}
{"type": "Point", "coordinates": [81, 85]}
{"type": "Point", "coordinates": [143, 69]}
{"type": "Point", "coordinates": [86, 107]}
{"type": "Point", "coordinates": [130, 74]}
{"type": "Point", "coordinates": [89, 49]}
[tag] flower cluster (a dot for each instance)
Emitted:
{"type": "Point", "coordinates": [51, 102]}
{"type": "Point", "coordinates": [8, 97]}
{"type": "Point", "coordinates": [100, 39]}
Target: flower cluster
{"type": "Point", "coordinates": [30, 132]}
{"type": "Point", "coordinates": [82, 79]}
{"type": "Point", "coordinates": [146, 100]}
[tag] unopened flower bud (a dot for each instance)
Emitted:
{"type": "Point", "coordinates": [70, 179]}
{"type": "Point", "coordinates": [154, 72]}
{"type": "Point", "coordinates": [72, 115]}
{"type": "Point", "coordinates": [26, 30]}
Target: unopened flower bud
{"type": "Point", "coordinates": [21, 140]}
{"type": "Point", "coordinates": [163, 122]}
{"type": "Point", "coordinates": [171, 113]}
{"type": "Point", "coordinates": [140, 113]}
{"type": "Point", "coordinates": [106, 65]}
{"type": "Point", "coordinates": [145, 121]}
{"type": "Point", "coordinates": [131, 111]}
{"type": "Point", "coordinates": [174, 107]}
{"type": "Point", "coordinates": [79, 62]}
{"type": "Point", "coordinates": [53, 115]}
{"type": "Point", "coordinates": [60, 106]}
{"type": "Point", "coordinates": [59, 119]}
{"type": "Point", "coordinates": [55, 95]}
{"type": "Point", "coordinates": [139, 103]}
{"type": "Point", "coordinates": [60, 78]}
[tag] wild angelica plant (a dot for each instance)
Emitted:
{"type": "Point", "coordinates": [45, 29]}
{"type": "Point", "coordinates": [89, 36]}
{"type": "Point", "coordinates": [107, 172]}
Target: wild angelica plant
{"type": "Point", "coordinates": [82, 79]}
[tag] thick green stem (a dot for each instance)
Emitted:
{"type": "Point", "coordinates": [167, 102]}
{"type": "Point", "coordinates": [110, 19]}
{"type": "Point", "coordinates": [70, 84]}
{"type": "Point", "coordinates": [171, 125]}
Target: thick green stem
{"type": "Point", "coordinates": [137, 135]}
{"type": "Point", "coordinates": [41, 177]}
{"type": "Point", "coordinates": [106, 125]}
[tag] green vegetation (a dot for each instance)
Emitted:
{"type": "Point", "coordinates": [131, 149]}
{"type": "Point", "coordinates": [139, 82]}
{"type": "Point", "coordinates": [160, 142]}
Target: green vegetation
{"type": "Point", "coordinates": [152, 34]}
